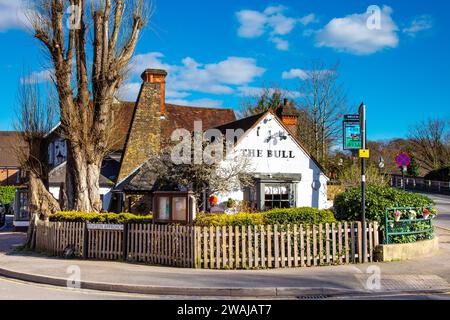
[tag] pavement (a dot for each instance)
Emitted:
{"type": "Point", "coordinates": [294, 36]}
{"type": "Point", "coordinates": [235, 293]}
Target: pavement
{"type": "Point", "coordinates": [24, 274]}
{"type": "Point", "coordinates": [419, 276]}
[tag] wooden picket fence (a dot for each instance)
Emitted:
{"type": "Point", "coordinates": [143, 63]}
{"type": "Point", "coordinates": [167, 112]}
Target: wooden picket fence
{"type": "Point", "coordinates": [239, 247]}
{"type": "Point", "coordinates": [284, 246]}
{"type": "Point", "coordinates": [53, 238]}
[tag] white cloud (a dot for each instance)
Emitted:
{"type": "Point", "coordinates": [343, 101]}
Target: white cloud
{"type": "Point", "coordinates": [281, 44]}
{"type": "Point", "coordinates": [305, 74]}
{"type": "Point", "coordinates": [308, 19]}
{"type": "Point", "coordinates": [252, 22]}
{"type": "Point", "coordinates": [352, 33]}
{"type": "Point", "coordinates": [295, 73]}
{"type": "Point", "coordinates": [129, 91]}
{"type": "Point", "coordinates": [192, 76]}
{"type": "Point", "coordinates": [208, 103]}
{"type": "Point", "coordinates": [418, 24]}
{"type": "Point", "coordinates": [12, 15]}
{"type": "Point", "coordinates": [280, 24]}
{"type": "Point", "coordinates": [249, 91]}
{"type": "Point", "coordinates": [272, 22]}
{"type": "Point", "coordinates": [38, 76]}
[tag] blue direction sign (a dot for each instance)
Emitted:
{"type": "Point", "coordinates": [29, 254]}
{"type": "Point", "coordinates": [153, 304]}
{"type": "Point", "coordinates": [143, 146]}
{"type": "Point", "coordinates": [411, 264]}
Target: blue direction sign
{"type": "Point", "coordinates": [403, 159]}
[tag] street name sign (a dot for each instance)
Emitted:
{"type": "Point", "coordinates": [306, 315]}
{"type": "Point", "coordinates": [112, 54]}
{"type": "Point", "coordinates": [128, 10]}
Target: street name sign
{"type": "Point", "coordinates": [104, 226]}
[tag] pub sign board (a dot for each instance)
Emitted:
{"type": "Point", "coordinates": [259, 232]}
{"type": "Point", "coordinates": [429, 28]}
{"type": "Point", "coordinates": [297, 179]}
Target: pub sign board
{"type": "Point", "coordinates": [352, 132]}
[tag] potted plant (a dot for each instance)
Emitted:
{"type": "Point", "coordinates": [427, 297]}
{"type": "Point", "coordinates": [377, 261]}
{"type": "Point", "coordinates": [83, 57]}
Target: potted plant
{"type": "Point", "coordinates": [412, 214]}
{"type": "Point", "coordinates": [426, 213]}
{"type": "Point", "coordinates": [231, 203]}
{"type": "Point", "coordinates": [397, 215]}
{"type": "Point", "coordinates": [433, 213]}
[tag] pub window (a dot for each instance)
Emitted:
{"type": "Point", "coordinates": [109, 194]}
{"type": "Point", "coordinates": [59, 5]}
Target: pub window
{"type": "Point", "coordinates": [277, 195]}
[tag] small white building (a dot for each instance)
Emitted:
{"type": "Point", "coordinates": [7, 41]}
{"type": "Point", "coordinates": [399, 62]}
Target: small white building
{"type": "Point", "coordinates": [285, 174]}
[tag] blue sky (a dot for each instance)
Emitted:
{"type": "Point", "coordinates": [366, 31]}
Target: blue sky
{"type": "Point", "coordinates": [218, 51]}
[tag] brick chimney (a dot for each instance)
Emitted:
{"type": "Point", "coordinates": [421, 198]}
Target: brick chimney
{"type": "Point", "coordinates": [157, 76]}
{"type": "Point", "coordinates": [144, 135]}
{"type": "Point", "coordinates": [289, 116]}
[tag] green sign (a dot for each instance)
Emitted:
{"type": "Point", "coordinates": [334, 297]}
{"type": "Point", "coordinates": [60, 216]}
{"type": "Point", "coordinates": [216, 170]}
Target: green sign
{"type": "Point", "coordinates": [352, 133]}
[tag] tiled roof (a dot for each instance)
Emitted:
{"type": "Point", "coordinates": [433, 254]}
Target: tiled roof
{"type": "Point", "coordinates": [8, 142]}
{"type": "Point", "coordinates": [176, 116]}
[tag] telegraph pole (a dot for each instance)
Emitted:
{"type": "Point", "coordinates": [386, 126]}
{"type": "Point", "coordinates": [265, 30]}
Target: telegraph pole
{"type": "Point", "coordinates": [362, 119]}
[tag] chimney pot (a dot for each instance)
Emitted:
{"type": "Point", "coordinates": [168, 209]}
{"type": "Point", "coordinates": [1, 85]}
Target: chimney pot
{"type": "Point", "coordinates": [154, 75]}
{"type": "Point", "coordinates": [286, 102]}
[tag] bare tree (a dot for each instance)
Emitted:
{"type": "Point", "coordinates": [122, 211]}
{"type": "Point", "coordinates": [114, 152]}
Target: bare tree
{"type": "Point", "coordinates": [232, 174]}
{"type": "Point", "coordinates": [323, 102]}
{"type": "Point", "coordinates": [430, 147]}
{"type": "Point", "coordinates": [268, 98]}
{"type": "Point", "coordinates": [87, 75]}
{"type": "Point", "coordinates": [35, 119]}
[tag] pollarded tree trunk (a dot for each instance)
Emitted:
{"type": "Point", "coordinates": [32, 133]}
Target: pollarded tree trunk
{"type": "Point", "coordinates": [83, 189]}
{"type": "Point", "coordinates": [86, 117]}
{"type": "Point", "coordinates": [41, 204]}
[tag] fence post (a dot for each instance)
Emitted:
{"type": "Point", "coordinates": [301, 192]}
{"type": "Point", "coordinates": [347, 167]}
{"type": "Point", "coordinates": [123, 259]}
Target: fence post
{"type": "Point", "coordinates": [125, 241]}
{"type": "Point", "coordinates": [85, 241]}
{"type": "Point", "coordinates": [197, 254]}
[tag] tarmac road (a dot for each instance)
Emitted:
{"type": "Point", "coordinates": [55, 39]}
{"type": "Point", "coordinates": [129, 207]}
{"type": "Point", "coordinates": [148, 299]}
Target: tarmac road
{"type": "Point", "coordinates": [443, 207]}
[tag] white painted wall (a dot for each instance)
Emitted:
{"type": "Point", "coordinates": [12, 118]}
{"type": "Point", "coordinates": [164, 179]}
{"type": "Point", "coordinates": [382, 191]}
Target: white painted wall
{"type": "Point", "coordinates": [106, 192]}
{"type": "Point", "coordinates": [297, 162]}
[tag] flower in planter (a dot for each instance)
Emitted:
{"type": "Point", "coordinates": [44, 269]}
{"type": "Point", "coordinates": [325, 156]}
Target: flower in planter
{"type": "Point", "coordinates": [412, 214]}
{"type": "Point", "coordinates": [397, 215]}
{"type": "Point", "coordinates": [426, 213]}
{"type": "Point", "coordinates": [433, 213]}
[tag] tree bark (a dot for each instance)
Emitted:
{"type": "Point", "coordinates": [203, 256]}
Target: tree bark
{"type": "Point", "coordinates": [41, 204]}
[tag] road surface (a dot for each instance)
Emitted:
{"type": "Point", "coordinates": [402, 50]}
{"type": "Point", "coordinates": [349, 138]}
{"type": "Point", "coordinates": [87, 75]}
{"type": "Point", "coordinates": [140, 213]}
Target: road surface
{"type": "Point", "coordinates": [443, 207]}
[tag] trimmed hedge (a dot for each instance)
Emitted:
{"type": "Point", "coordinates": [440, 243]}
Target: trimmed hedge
{"type": "Point", "coordinates": [7, 194]}
{"type": "Point", "coordinates": [73, 216]}
{"type": "Point", "coordinates": [303, 215]}
{"type": "Point", "coordinates": [347, 205]}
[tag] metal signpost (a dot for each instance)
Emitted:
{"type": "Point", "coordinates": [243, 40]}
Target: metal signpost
{"type": "Point", "coordinates": [363, 154]}
{"type": "Point", "coordinates": [354, 139]}
{"type": "Point", "coordinates": [403, 161]}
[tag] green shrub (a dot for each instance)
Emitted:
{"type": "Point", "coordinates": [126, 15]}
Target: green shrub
{"type": "Point", "coordinates": [7, 194]}
{"type": "Point", "coordinates": [276, 216]}
{"type": "Point", "coordinates": [73, 216]}
{"type": "Point", "coordinates": [347, 205]}
{"type": "Point", "coordinates": [239, 219]}
{"type": "Point", "coordinates": [304, 215]}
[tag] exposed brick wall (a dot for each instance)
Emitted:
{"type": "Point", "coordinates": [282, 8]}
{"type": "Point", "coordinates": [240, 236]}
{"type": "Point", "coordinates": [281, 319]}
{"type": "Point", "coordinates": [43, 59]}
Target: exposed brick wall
{"type": "Point", "coordinates": [145, 132]}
